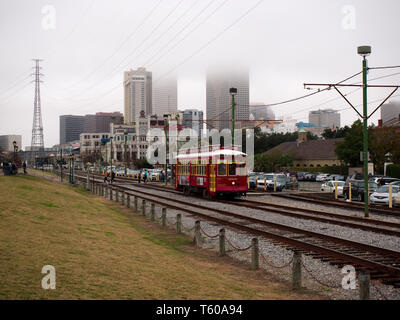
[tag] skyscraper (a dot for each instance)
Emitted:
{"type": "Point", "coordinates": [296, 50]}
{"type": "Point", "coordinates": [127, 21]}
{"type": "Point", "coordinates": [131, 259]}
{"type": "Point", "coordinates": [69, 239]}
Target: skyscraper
{"type": "Point", "coordinates": [326, 118]}
{"type": "Point", "coordinates": [137, 94]}
{"type": "Point", "coordinates": [193, 118]}
{"type": "Point", "coordinates": [70, 128]}
{"type": "Point", "coordinates": [219, 101]}
{"type": "Point", "coordinates": [100, 122]}
{"type": "Point", "coordinates": [390, 112]}
{"type": "Point", "coordinates": [165, 97]}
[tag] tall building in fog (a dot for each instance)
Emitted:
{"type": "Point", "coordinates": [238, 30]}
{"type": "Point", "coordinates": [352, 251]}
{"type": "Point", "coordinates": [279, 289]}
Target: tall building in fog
{"type": "Point", "coordinates": [193, 118]}
{"type": "Point", "coordinates": [165, 97]}
{"type": "Point", "coordinates": [100, 122]}
{"type": "Point", "coordinates": [390, 112]}
{"type": "Point", "coordinates": [219, 101]}
{"type": "Point", "coordinates": [137, 94]}
{"type": "Point", "coordinates": [6, 142]}
{"type": "Point", "coordinates": [326, 118]}
{"type": "Point", "coordinates": [70, 128]}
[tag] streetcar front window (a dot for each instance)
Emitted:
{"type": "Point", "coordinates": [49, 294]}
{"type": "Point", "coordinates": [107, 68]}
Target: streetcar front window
{"type": "Point", "coordinates": [237, 169]}
{"type": "Point", "coordinates": [222, 169]}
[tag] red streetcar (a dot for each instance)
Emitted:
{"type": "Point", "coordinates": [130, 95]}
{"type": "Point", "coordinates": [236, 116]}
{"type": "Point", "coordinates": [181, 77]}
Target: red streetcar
{"type": "Point", "coordinates": [214, 171]}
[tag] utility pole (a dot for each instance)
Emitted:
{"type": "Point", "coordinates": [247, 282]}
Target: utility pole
{"type": "Point", "coordinates": [37, 127]}
{"type": "Point", "coordinates": [61, 176]}
{"type": "Point", "coordinates": [111, 154]}
{"type": "Point", "coordinates": [364, 51]}
{"type": "Point", "coordinates": [126, 162]}
{"type": "Point", "coordinates": [233, 92]}
{"type": "Point", "coordinates": [166, 147]}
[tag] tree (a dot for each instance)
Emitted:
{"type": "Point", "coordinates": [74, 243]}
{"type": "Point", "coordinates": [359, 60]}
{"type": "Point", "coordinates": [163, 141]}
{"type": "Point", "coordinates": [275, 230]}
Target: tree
{"type": "Point", "coordinates": [142, 163]}
{"type": "Point", "coordinates": [337, 133]}
{"type": "Point", "coordinates": [272, 161]}
{"type": "Point", "coordinates": [266, 141]}
{"type": "Point", "coordinates": [385, 140]}
{"type": "Point", "coordinates": [349, 150]}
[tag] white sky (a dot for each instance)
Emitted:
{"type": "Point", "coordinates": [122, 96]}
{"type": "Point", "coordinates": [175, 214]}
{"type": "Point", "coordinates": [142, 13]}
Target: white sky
{"type": "Point", "coordinates": [284, 43]}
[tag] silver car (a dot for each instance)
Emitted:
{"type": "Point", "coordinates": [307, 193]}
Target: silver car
{"type": "Point", "coordinates": [381, 196]}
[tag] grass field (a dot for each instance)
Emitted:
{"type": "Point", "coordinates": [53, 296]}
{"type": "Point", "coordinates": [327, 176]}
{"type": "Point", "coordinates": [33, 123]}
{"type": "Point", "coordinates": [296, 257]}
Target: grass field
{"type": "Point", "coordinates": [101, 250]}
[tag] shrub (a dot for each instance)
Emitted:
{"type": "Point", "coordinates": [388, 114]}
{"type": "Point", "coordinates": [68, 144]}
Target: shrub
{"type": "Point", "coordinates": [393, 170]}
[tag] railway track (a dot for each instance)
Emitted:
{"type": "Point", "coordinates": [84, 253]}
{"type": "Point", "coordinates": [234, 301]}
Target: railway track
{"type": "Point", "coordinates": [336, 203]}
{"type": "Point", "coordinates": [382, 264]}
{"type": "Point", "coordinates": [372, 225]}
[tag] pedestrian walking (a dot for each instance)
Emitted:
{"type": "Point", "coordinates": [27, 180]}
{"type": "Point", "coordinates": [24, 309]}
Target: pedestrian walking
{"type": "Point", "coordinates": [24, 166]}
{"type": "Point", "coordinates": [140, 176]}
{"type": "Point", "coordinates": [145, 176]}
{"type": "Point", "coordinates": [112, 176]}
{"type": "Point", "coordinates": [105, 176]}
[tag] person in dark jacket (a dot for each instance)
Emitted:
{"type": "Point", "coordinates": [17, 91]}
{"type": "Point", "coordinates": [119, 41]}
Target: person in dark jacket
{"type": "Point", "coordinates": [112, 176]}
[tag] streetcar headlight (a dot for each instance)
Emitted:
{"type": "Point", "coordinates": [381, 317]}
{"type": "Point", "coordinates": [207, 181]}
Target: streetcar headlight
{"type": "Point", "coordinates": [233, 183]}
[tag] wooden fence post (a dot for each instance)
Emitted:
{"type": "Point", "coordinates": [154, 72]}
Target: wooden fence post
{"type": "Point", "coordinates": [364, 284]}
{"type": "Point", "coordinates": [143, 207]}
{"type": "Point", "coordinates": [128, 201]}
{"type": "Point", "coordinates": [222, 251]}
{"type": "Point", "coordinates": [254, 254]}
{"type": "Point", "coordinates": [296, 270]}
{"type": "Point", "coordinates": [178, 223]}
{"type": "Point", "coordinates": [164, 217]}
{"type": "Point", "coordinates": [197, 235]}
{"type": "Point", "coordinates": [152, 211]}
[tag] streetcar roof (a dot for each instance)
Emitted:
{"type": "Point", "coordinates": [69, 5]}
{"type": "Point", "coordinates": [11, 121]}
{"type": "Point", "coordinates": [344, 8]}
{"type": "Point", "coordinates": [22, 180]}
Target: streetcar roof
{"type": "Point", "coordinates": [220, 152]}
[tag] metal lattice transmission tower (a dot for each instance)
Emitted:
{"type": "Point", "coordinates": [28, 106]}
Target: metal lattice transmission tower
{"type": "Point", "coordinates": [37, 128]}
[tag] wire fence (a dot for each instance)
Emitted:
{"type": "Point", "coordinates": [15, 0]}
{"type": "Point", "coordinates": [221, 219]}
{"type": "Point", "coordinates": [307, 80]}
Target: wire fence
{"type": "Point", "coordinates": [200, 231]}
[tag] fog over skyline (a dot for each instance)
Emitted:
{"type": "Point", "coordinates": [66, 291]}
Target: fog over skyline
{"type": "Point", "coordinates": [283, 44]}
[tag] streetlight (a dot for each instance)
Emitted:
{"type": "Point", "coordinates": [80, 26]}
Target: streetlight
{"type": "Point", "coordinates": [388, 161]}
{"type": "Point", "coordinates": [15, 150]}
{"type": "Point", "coordinates": [365, 51]}
{"type": "Point", "coordinates": [126, 138]}
{"type": "Point", "coordinates": [166, 147]}
{"type": "Point", "coordinates": [111, 153]}
{"type": "Point", "coordinates": [61, 164]}
{"type": "Point", "coordinates": [233, 92]}
{"type": "Point", "coordinates": [71, 168]}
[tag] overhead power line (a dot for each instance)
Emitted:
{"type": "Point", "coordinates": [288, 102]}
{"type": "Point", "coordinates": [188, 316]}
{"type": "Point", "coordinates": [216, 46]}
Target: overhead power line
{"type": "Point", "coordinates": [387, 67]}
{"type": "Point", "coordinates": [121, 45]}
{"type": "Point", "coordinates": [212, 40]}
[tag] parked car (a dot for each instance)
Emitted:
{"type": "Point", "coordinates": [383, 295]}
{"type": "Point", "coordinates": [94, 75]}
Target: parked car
{"type": "Point", "coordinates": [375, 178]}
{"type": "Point", "coordinates": [301, 176]}
{"type": "Point", "coordinates": [329, 186]}
{"type": "Point", "coordinates": [335, 177]}
{"type": "Point", "coordinates": [269, 181]}
{"type": "Point", "coordinates": [289, 183]}
{"type": "Point", "coordinates": [310, 176]}
{"type": "Point", "coordinates": [322, 177]}
{"type": "Point", "coordinates": [396, 199]}
{"type": "Point", "coordinates": [252, 180]}
{"type": "Point", "coordinates": [386, 180]}
{"type": "Point", "coordinates": [381, 196]}
{"type": "Point", "coordinates": [395, 183]}
{"type": "Point", "coordinates": [357, 189]}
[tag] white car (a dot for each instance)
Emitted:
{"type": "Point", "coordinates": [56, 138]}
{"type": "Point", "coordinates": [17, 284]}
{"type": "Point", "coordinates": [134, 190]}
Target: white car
{"type": "Point", "coordinates": [396, 200]}
{"type": "Point", "coordinates": [329, 186]}
{"type": "Point", "coordinates": [269, 181]}
{"type": "Point", "coordinates": [322, 177]}
{"type": "Point", "coordinates": [381, 196]}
